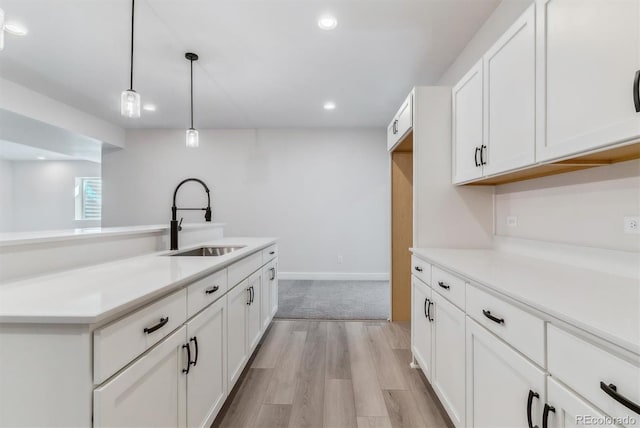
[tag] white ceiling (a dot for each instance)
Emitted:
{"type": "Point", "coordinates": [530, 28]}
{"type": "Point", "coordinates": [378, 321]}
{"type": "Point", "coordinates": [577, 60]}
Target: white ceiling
{"type": "Point", "coordinates": [264, 63]}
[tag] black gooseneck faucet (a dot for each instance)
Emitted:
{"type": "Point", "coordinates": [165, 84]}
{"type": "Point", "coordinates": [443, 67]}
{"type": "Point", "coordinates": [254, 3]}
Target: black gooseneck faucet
{"type": "Point", "coordinates": [175, 227]}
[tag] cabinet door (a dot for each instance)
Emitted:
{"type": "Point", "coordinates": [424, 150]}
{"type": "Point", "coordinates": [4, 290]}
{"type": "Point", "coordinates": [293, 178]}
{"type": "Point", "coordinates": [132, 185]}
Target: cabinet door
{"type": "Point", "coordinates": [401, 124]}
{"type": "Point", "coordinates": [500, 382]}
{"type": "Point", "coordinates": [150, 393]}
{"type": "Point", "coordinates": [207, 380]}
{"type": "Point", "coordinates": [588, 54]}
{"type": "Point", "coordinates": [273, 288]}
{"type": "Point", "coordinates": [569, 410]}
{"type": "Point", "coordinates": [467, 137]}
{"type": "Point", "coordinates": [421, 324]}
{"type": "Point", "coordinates": [237, 350]}
{"type": "Point", "coordinates": [265, 310]}
{"type": "Point", "coordinates": [448, 362]}
{"type": "Point", "coordinates": [254, 319]}
{"type": "Point", "coordinates": [509, 81]}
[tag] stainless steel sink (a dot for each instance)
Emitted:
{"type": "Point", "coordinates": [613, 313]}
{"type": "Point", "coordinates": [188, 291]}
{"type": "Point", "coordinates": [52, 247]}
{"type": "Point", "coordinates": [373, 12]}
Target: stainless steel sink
{"type": "Point", "coordinates": [208, 251]}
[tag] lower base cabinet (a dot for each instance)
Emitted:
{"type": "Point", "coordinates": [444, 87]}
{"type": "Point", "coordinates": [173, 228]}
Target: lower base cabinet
{"type": "Point", "coordinates": [504, 389]}
{"type": "Point", "coordinates": [254, 320]}
{"type": "Point", "coordinates": [155, 382]}
{"type": "Point", "coordinates": [448, 357]}
{"type": "Point", "coordinates": [237, 349]}
{"type": "Point", "coordinates": [207, 378]}
{"type": "Point", "coordinates": [565, 409]}
{"type": "Point", "coordinates": [421, 330]}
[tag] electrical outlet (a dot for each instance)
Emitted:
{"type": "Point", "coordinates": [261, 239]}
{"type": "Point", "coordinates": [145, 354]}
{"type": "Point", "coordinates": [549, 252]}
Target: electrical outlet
{"type": "Point", "coordinates": [340, 259]}
{"type": "Point", "coordinates": [512, 221]}
{"type": "Point", "coordinates": [632, 224]}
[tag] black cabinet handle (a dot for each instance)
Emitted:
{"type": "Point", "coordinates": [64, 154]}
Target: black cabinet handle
{"type": "Point", "coordinates": [636, 91]}
{"type": "Point", "coordinates": [186, 371]}
{"type": "Point", "coordinates": [252, 294]}
{"type": "Point", "coordinates": [272, 253]}
{"type": "Point", "coordinates": [612, 391]}
{"type": "Point", "coordinates": [194, 339]}
{"type": "Point", "coordinates": [273, 274]}
{"type": "Point", "coordinates": [492, 318]}
{"type": "Point", "coordinates": [529, 403]}
{"type": "Point", "coordinates": [475, 157]}
{"type": "Point", "coordinates": [426, 308]}
{"type": "Point", "coordinates": [212, 290]}
{"type": "Point", "coordinates": [443, 285]}
{"type": "Point", "coordinates": [545, 414]}
{"type": "Point", "coordinates": [248, 296]}
{"type": "Point", "coordinates": [418, 268]}
{"type": "Point", "coordinates": [429, 310]}
{"type": "Point", "coordinates": [482, 159]}
{"type": "Point", "coordinates": [162, 323]}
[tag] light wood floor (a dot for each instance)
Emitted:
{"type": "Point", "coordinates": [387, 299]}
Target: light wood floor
{"type": "Point", "coordinates": [333, 374]}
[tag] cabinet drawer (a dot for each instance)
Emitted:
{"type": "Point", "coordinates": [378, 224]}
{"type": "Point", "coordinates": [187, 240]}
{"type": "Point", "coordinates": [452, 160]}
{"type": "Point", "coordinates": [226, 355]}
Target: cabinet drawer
{"type": "Point", "coordinates": [587, 369]}
{"type": "Point", "coordinates": [518, 328]}
{"type": "Point", "coordinates": [118, 343]}
{"type": "Point", "coordinates": [269, 253]}
{"type": "Point", "coordinates": [421, 270]}
{"type": "Point", "coordinates": [450, 286]}
{"type": "Point", "coordinates": [243, 268]}
{"type": "Point", "coordinates": [205, 291]}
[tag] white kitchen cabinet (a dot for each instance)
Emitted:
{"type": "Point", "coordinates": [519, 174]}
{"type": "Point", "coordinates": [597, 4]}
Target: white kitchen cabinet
{"type": "Point", "coordinates": [149, 393]}
{"type": "Point", "coordinates": [421, 330]}
{"type": "Point", "coordinates": [237, 350]}
{"type": "Point", "coordinates": [468, 126]}
{"type": "Point", "coordinates": [509, 98]}
{"type": "Point", "coordinates": [269, 281]}
{"type": "Point", "coordinates": [207, 379]}
{"type": "Point", "coordinates": [448, 357]}
{"type": "Point", "coordinates": [588, 56]}
{"type": "Point", "coordinates": [254, 320]}
{"type": "Point", "coordinates": [401, 124]}
{"type": "Point", "coordinates": [503, 388]}
{"type": "Point", "coordinates": [564, 409]}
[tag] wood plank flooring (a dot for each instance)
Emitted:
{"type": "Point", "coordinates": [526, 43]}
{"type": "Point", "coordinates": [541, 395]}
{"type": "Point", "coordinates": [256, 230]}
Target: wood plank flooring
{"type": "Point", "coordinates": [333, 374]}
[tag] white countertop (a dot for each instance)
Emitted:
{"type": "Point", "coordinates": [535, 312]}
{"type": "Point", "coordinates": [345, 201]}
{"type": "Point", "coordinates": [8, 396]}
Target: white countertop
{"type": "Point", "coordinates": [39, 236]}
{"type": "Point", "coordinates": [602, 304]}
{"type": "Point", "coordinates": [96, 293]}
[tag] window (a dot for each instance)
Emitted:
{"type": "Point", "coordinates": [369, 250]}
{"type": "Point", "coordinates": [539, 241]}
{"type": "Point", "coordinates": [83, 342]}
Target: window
{"type": "Point", "coordinates": [88, 195]}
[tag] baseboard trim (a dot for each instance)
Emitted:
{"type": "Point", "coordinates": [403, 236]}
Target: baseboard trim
{"type": "Point", "coordinates": [334, 276]}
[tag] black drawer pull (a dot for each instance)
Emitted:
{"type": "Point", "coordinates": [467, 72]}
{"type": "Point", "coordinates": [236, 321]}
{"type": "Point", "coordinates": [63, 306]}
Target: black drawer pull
{"type": "Point", "coordinates": [272, 253]}
{"type": "Point", "coordinates": [273, 274]}
{"type": "Point", "coordinates": [492, 318]}
{"type": "Point", "coordinates": [475, 157]}
{"type": "Point", "coordinates": [443, 285]}
{"type": "Point", "coordinates": [545, 414]}
{"type": "Point", "coordinates": [429, 310]}
{"type": "Point", "coordinates": [418, 268]}
{"type": "Point", "coordinates": [636, 91]}
{"type": "Point", "coordinates": [426, 308]}
{"type": "Point", "coordinates": [212, 290]}
{"type": "Point", "coordinates": [162, 323]}
{"type": "Point", "coordinates": [248, 296]}
{"type": "Point", "coordinates": [612, 391]}
{"type": "Point", "coordinates": [529, 403]}
{"type": "Point", "coordinates": [186, 371]}
{"type": "Point", "coordinates": [482, 159]}
{"type": "Point", "coordinates": [194, 339]}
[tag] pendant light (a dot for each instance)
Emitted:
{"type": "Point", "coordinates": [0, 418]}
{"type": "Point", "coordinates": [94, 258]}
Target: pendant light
{"type": "Point", "coordinates": [130, 99]}
{"type": "Point", "coordinates": [1, 29]}
{"type": "Point", "coordinates": [192, 133]}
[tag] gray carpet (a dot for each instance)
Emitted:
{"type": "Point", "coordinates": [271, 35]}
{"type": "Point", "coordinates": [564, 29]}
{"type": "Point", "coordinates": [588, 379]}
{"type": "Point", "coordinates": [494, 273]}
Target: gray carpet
{"type": "Point", "coordinates": [334, 300]}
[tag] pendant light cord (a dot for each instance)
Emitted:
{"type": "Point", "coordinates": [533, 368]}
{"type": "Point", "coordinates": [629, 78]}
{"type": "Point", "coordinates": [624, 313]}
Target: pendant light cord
{"type": "Point", "coordinates": [133, 5]}
{"type": "Point", "coordinates": [191, 93]}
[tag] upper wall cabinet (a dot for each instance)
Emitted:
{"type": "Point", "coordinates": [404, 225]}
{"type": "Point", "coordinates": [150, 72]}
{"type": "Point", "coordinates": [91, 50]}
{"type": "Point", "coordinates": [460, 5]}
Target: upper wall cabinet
{"type": "Point", "coordinates": [467, 132]}
{"type": "Point", "coordinates": [509, 103]}
{"type": "Point", "coordinates": [401, 124]}
{"type": "Point", "coordinates": [588, 62]}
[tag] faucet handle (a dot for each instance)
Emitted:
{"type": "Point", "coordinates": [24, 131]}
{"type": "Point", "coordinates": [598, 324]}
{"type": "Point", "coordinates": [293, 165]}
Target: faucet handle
{"type": "Point", "coordinates": [180, 224]}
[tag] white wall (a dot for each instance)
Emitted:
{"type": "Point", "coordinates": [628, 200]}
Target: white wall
{"type": "Point", "coordinates": [43, 194]}
{"type": "Point", "coordinates": [6, 195]}
{"type": "Point", "coordinates": [325, 193]}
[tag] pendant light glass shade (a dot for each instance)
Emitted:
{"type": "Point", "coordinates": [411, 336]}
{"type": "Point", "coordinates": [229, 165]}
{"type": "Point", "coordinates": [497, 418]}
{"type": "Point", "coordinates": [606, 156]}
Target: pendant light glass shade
{"type": "Point", "coordinates": [192, 138]}
{"type": "Point", "coordinates": [130, 104]}
{"type": "Point", "coordinates": [1, 29]}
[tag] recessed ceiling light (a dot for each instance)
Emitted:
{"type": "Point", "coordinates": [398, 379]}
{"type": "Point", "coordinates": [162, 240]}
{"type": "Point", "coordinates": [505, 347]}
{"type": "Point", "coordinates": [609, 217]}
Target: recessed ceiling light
{"type": "Point", "coordinates": [327, 22]}
{"type": "Point", "coordinates": [15, 28]}
{"type": "Point", "coordinates": [149, 107]}
{"type": "Point", "coordinates": [41, 158]}
{"type": "Point", "coordinates": [329, 105]}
